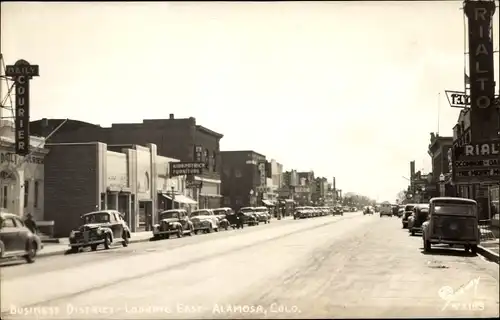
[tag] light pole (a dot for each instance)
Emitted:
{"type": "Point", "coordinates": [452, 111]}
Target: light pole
{"type": "Point", "coordinates": [441, 185]}
{"type": "Point", "coordinates": [173, 197]}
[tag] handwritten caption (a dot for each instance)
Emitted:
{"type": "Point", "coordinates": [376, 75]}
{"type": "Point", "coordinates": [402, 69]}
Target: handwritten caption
{"type": "Point", "coordinates": [179, 308]}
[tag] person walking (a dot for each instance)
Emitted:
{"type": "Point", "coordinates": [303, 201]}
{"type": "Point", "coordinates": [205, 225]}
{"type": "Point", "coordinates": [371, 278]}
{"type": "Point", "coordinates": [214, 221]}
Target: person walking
{"type": "Point", "coordinates": [30, 223]}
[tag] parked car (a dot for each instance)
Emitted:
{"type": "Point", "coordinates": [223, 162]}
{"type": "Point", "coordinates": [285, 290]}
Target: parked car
{"type": "Point", "coordinates": [408, 211]}
{"type": "Point", "coordinates": [395, 209]}
{"type": "Point", "coordinates": [234, 219]}
{"type": "Point", "coordinates": [301, 213]}
{"type": "Point", "coordinates": [354, 209]}
{"type": "Point", "coordinates": [204, 220]}
{"type": "Point", "coordinates": [385, 209]}
{"type": "Point", "coordinates": [105, 228]}
{"type": "Point", "coordinates": [452, 221]}
{"type": "Point", "coordinates": [418, 217]}
{"type": "Point", "coordinates": [221, 214]}
{"type": "Point", "coordinates": [249, 216]}
{"type": "Point", "coordinates": [338, 210]}
{"type": "Point", "coordinates": [263, 214]}
{"type": "Point", "coordinates": [16, 240]}
{"type": "Point", "coordinates": [175, 221]}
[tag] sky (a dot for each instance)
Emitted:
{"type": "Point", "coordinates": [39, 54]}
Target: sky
{"type": "Point", "coordinates": [349, 90]}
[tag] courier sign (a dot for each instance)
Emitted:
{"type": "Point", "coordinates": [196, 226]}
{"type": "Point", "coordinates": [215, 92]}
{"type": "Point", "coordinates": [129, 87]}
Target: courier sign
{"type": "Point", "coordinates": [22, 72]}
{"type": "Point", "coordinates": [480, 14]}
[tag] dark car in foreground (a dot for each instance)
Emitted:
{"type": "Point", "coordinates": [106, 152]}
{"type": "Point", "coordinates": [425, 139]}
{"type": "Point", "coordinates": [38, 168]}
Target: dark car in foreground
{"type": "Point", "coordinates": [173, 222]}
{"type": "Point", "coordinates": [248, 216]}
{"type": "Point", "coordinates": [16, 240]}
{"type": "Point", "coordinates": [104, 228]}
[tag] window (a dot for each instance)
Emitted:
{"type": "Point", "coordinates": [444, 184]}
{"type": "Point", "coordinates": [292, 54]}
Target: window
{"type": "Point", "coordinates": [237, 173]}
{"type": "Point", "coordinates": [8, 223]}
{"type": "Point", "coordinates": [5, 194]}
{"type": "Point", "coordinates": [37, 186]}
{"type": "Point", "coordinates": [206, 158]}
{"type": "Point", "coordinates": [26, 192]}
{"type": "Point", "coordinates": [227, 201]}
{"type": "Point", "coordinates": [239, 202]}
{"type": "Point", "coordinates": [214, 162]}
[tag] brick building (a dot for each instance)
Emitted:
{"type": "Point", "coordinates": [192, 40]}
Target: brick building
{"type": "Point", "coordinates": [174, 138]}
{"type": "Point", "coordinates": [439, 151]}
{"type": "Point", "coordinates": [243, 178]}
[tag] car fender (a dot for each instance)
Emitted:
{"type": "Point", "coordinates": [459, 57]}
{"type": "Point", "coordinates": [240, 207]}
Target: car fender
{"type": "Point", "coordinates": [107, 231]}
{"type": "Point", "coordinates": [176, 224]}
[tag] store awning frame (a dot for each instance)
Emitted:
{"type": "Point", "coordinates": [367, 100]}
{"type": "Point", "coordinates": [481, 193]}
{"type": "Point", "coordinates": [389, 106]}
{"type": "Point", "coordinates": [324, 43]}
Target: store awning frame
{"type": "Point", "coordinates": [180, 198]}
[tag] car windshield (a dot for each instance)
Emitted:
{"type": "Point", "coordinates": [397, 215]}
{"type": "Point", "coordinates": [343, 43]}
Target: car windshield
{"type": "Point", "coordinates": [246, 210]}
{"type": "Point", "coordinates": [199, 213]}
{"type": "Point", "coordinates": [98, 217]}
{"type": "Point", "coordinates": [219, 211]}
{"type": "Point", "coordinates": [261, 210]}
{"type": "Point", "coordinates": [454, 209]}
{"type": "Point", "coordinates": [169, 215]}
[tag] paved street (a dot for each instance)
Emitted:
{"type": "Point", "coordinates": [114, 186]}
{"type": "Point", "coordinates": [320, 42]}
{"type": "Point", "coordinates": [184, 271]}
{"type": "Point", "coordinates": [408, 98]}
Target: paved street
{"type": "Point", "coordinates": [351, 266]}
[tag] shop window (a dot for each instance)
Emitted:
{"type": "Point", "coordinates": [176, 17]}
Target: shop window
{"type": "Point", "coordinates": [37, 192]}
{"type": "Point", "coordinates": [26, 192]}
{"type": "Point", "coordinates": [214, 162]}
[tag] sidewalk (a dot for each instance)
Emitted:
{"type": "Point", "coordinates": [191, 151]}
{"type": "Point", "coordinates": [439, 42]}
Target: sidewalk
{"type": "Point", "coordinates": [51, 249]}
{"type": "Point", "coordinates": [490, 250]}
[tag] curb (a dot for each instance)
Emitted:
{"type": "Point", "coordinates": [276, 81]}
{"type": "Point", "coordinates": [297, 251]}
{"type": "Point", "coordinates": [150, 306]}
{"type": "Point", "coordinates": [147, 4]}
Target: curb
{"type": "Point", "coordinates": [488, 254]}
{"type": "Point", "coordinates": [62, 252]}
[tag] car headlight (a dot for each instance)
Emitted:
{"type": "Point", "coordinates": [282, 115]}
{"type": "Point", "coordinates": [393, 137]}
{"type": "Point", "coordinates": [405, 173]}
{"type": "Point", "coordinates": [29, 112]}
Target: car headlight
{"type": "Point", "coordinates": [72, 234]}
{"type": "Point", "coordinates": [99, 231]}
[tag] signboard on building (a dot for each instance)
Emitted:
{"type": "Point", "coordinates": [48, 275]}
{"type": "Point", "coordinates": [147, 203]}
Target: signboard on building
{"type": "Point", "coordinates": [302, 189]}
{"type": "Point", "coordinates": [477, 162]}
{"type": "Point", "coordinates": [186, 168]}
{"type": "Point", "coordinates": [458, 99]}
{"type": "Point", "coordinates": [22, 72]}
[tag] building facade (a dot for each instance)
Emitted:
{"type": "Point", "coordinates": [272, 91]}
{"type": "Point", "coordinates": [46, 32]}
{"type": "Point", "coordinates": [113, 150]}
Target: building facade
{"type": "Point", "coordinates": [244, 180]}
{"type": "Point", "coordinates": [289, 181]}
{"type": "Point", "coordinates": [320, 190]}
{"type": "Point", "coordinates": [175, 138]}
{"type": "Point", "coordinates": [21, 178]}
{"type": "Point", "coordinates": [439, 150]}
{"type": "Point", "coordinates": [90, 176]}
{"type": "Point", "coordinates": [304, 189]}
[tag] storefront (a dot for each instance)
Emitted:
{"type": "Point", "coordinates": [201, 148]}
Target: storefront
{"type": "Point", "coordinates": [209, 195]}
{"type": "Point", "coordinates": [21, 178]}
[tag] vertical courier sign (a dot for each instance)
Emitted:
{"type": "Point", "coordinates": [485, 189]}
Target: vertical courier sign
{"type": "Point", "coordinates": [22, 72]}
{"type": "Point", "coordinates": [481, 64]}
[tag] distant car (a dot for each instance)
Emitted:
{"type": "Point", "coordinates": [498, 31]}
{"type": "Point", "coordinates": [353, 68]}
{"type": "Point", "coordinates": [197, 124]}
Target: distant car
{"type": "Point", "coordinates": [354, 209]}
{"type": "Point", "coordinates": [204, 220]}
{"type": "Point", "coordinates": [301, 213]}
{"type": "Point", "coordinates": [419, 216]}
{"type": "Point", "coordinates": [175, 221]}
{"type": "Point", "coordinates": [368, 210]}
{"type": "Point", "coordinates": [222, 214]}
{"type": "Point", "coordinates": [263, 214]}
{"type": "Point", "coordinates": [105, 228]}
{"type": "Point", "coordinates": [338, 210]}
{"type": "Point", "coordinates": [408, 211]}
{"type": "Point", "coordinates": [249, 216]}
{"type": "Point", "coordinates": [16, 240]}
{"type": "Point", "coordinates": [386, 209]}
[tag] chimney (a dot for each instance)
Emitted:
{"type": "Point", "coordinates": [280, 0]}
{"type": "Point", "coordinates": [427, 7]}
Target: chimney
{"type": "Point", "coordinates": [171, 116]}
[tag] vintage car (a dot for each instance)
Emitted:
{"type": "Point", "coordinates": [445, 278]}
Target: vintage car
{"type": "Point", "coordinates": [263, 214]}
{"type": "Point", "coordinates": [249, 216]}
{"type": "Point", "coordinates": [452, 221]}
{"type": "Point", "coordinates": [354, 209]}
{"type": "Point", "coordinates": [16, 240]}
{"type": "Point", "coordinates": [204, 220]}
{"type": "Point", "coordinates": [338, 210]}
{"type": "Point", "coordinates": [221, 214]}
{"type": "Point", "coordinates": [346, 209]}
{"type": "Point", "coordinates": [174, 221]}
{"type": "Point", "coordinates": [408, 211]}
{"type": "Point", "coordinates": [395, 209]}
{"type": "Point", "coordinates": [418, 217]}
{"type": "Point", "coordinates": [368, 210]}
{"type": "Point", "coordinates": [385, 209]}
{"type": "Point", "coordinates": [301, 213]}
{"type": "Point", "coordinates": [401, 211]}
{"type": "Point", "coordinates": [105, 227]}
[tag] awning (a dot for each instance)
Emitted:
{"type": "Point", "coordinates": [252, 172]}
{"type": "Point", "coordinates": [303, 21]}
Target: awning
{"type": "Point", "coordinates": [179, 198]}
{"type": "Point", "coordinates": [268, 203]}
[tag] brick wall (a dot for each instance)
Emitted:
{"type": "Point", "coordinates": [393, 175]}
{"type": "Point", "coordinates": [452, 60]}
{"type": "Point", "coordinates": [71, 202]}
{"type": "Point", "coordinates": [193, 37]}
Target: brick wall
{"type": "Point", "coordinates": [70, 184]}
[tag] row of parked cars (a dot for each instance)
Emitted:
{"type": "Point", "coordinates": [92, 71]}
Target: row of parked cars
{"type": "Point", "coordinates": [450, 221]}
{"type": "Point", "coordinates": [312, 212]}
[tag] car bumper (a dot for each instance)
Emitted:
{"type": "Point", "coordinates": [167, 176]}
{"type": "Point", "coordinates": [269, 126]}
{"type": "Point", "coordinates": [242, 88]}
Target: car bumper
{"type": "Point", "coordinates": [86, 243]}
{"type": "Point", "coordinates": [447, 241]}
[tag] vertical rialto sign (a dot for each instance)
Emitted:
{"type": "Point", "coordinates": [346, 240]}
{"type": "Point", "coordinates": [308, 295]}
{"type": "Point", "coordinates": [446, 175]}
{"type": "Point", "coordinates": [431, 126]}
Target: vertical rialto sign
{"type": "Point", "coordinates": [22, 72]}
{"type": "Point", "coordinates": [481, 65]}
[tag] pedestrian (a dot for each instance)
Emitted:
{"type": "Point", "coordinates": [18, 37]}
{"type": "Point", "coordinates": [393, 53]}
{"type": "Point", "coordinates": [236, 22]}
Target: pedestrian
{"type": "Point", "coordinates": [30, 223]}
{"type": "Point", "coordinates": [240, 217]}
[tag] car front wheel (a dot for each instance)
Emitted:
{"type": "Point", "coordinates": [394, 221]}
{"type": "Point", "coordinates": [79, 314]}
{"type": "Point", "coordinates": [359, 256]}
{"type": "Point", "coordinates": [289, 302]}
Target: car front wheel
{"type": "Point", "coordinates": [126, 240]}
{"type": "Point", "coordinates": [31, 252]}
{"type": "Point", "coordinates": [427, 245]}
{"type": "Point", "coordinates": [107, 242]}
